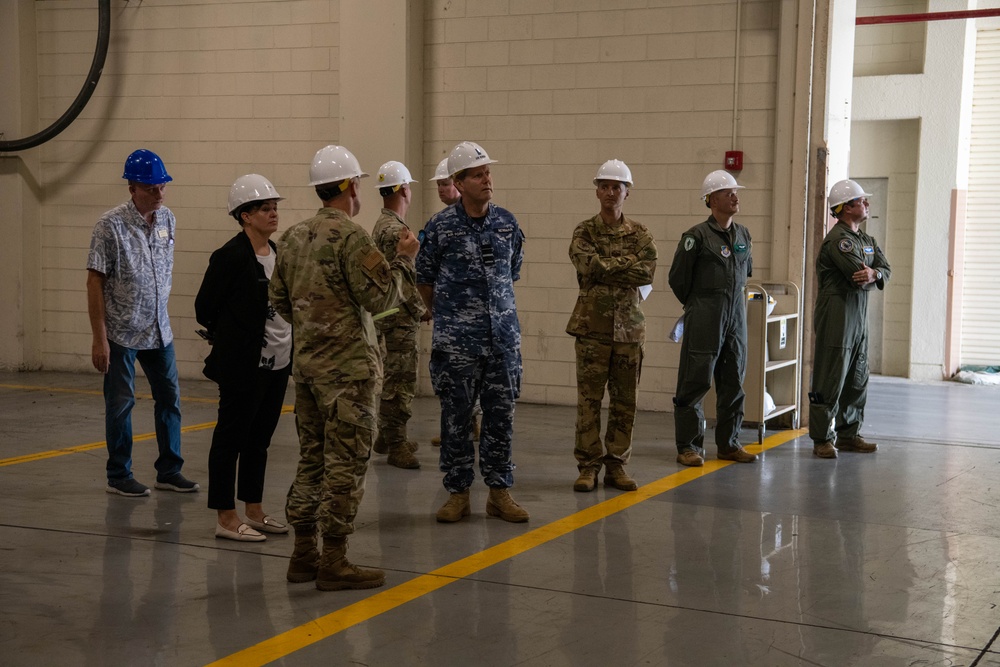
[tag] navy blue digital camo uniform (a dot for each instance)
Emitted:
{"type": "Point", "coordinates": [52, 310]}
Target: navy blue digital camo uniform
{"type": "Point", "coordinates": [476, 350]}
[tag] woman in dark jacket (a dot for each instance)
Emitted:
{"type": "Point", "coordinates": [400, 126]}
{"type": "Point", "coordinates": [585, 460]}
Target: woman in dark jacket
{"type": "Point", "coordinates": [250, 360]}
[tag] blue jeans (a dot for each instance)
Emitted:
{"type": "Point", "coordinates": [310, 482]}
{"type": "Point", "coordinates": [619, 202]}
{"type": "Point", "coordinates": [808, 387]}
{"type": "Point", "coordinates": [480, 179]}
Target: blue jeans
{"type": "Point", "coordinates": [160, 367]}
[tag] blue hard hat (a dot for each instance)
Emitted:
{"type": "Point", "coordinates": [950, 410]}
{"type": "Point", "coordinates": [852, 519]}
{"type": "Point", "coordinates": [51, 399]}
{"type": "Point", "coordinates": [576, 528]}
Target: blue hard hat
{"type": "Point", "coordinates": [145, 166]}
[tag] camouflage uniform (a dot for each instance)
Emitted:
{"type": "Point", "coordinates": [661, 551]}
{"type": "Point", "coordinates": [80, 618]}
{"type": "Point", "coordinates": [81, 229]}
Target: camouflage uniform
{"type": "Point", "coordinates": [476, 348]}
{"type": "Point", "coordinates": [611, 264]}
{"type": "Point", "coordinates": [398, 343]}
{"type": "Point", "coordinates": [840, 363]}
{"type": "Point", "coordinates": [328, 279]}
{"type": "Point", "coordinates": [709, 276]}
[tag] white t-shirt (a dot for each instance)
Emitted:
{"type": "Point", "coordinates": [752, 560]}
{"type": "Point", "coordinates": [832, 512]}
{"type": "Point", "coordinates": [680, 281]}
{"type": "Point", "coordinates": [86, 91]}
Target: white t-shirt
{"type": "Point", "coordinates": [276, 350]}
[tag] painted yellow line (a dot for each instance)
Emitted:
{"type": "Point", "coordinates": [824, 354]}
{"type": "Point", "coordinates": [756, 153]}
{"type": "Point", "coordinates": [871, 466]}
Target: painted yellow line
{"type": "Point", "coordinates": [321, 628]}
{"type": "Point", "coordinates": [38, 456]}
{"type": "Point", "coordinates": [96, 392]}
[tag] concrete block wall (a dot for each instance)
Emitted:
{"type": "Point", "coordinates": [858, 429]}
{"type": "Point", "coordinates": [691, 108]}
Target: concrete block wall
{"type": "Point", "coordinates": [894, 48]}
{"type": "Point", "coordinates": [218, 90]}
{"type": "Point", "coordinates": [552, 89]}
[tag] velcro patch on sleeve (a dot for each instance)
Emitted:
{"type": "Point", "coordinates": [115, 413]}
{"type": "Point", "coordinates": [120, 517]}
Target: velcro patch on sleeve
{"type": "Point", "coordinates": [372, 260]}
{"type": "Point", "coordinates": [374, 266]}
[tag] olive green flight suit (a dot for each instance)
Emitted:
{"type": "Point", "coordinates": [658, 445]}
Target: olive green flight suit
{"type": "Point", "coordinates": [708, 276]}
{"type": "Point", "coordinates": [840, 362]}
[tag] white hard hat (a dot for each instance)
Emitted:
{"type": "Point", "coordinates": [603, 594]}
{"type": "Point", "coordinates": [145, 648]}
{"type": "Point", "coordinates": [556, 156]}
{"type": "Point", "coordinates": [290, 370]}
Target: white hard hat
{"type": "Point", "coordinates": [252, 187]}
{"type": "Point", "coordinates": [845, 191]}
{"type": "Point", "coordinates": [614, 170]}
{"type": "Point", "coordinates": [441, 172]}
{"type": "Point", "coordinates": [392, 173]}
{"type": "Point", "coordinates": [333, 164]}
{"type": "Point", "coordinates": [467, 155]}
{"type": "Point", "coordinates": [719, 180]}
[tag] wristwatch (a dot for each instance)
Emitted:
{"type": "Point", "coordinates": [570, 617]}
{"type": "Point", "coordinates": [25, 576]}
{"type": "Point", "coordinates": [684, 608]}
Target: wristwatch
{"type": "Point", "coordinates": [878, 275]}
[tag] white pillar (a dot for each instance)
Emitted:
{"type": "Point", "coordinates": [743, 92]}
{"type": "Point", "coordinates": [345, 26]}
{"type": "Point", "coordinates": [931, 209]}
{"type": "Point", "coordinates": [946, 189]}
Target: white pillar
{"type": "Point", "coordinates": [381, 92]}
{"type": "Point", "coordinates": [839, 83]}
{"type": "Point", "coordinates": [20, 283]}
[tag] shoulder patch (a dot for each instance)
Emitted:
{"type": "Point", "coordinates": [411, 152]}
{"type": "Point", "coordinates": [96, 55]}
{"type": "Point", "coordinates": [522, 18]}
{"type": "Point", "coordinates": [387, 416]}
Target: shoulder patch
{"type": "Point", "coordinates": [372, 260]}
{"type": "Point", "coordinates": [689, 242]}
{"type": "Point", "coordinates": [374, 266]}
{"type": "Point", "coordinates": [845, 245]}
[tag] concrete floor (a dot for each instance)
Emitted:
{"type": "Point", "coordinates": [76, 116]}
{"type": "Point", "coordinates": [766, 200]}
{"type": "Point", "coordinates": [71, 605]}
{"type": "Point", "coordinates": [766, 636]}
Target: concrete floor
{"type": "Point", "coordinates": [884, 559]}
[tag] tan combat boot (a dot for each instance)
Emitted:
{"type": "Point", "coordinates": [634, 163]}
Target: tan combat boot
{"type": "Point", "coordinates": [825, 450]}
{"type": "Point", "coordinates": [304, 563]}
{"type": "Point", "coordinates": [502, 505]}
{"type": "Point", "coordinates": [456, 508]}
{"type": "Point", "coordinates": [739, 455]}
{"type": "Point", "coordinates": [336, 573]}
{"type": "Point", "coordinates": [856, 444]}
{"type": "Point", "coordinates": [691, 458]}
{"type": "Point", "coordinates": [586, 481]}
{"type": "Point", "coordinates": [401, 455]}
{"type": "Point", "coordinates": [615, 476]}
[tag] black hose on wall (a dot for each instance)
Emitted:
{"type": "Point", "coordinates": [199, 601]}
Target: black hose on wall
{"type": "Point", "coordinates": [96, 67]}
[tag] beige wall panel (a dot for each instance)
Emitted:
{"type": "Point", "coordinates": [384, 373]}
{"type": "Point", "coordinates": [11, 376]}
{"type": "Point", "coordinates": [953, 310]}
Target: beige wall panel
{"type": "Point", "coordinates": [892, 48]}
{"type": "Point", "coordinates": [551, 88]}
{"type": "Point", "coordinates": [217, 90]}
{"type": "Point", "coordinates": [556, 88]}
